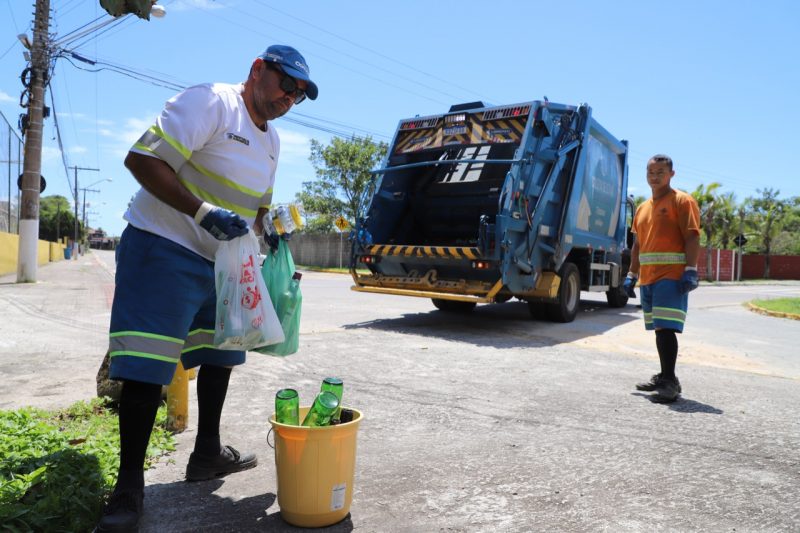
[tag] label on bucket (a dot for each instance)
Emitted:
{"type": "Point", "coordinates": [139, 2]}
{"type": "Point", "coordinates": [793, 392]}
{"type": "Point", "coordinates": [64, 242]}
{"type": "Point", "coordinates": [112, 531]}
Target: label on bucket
{"type": "Point", "coordinates": [337, 496]}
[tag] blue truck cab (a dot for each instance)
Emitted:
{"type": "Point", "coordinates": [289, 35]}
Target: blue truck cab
{"type": "Point", "coordinates": [483, 204]}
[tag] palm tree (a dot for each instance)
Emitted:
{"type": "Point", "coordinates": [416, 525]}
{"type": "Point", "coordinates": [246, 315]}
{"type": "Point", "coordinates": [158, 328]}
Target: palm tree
{"type": "Point", "coordinates": [707, 201]}
{"type": "Point", "coordinates": [724, 219]}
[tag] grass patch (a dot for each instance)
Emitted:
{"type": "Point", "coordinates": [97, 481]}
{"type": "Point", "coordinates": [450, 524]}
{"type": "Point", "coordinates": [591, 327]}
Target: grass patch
{"type": "Point", "coordinates": [780, 305]}
{"type": "Point", "coordinates": [56, 467]}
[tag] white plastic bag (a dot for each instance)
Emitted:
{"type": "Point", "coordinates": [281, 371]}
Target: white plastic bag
{"type": "Point", "coordinates": [245, 315]}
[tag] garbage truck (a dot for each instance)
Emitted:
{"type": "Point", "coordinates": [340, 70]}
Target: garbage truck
{"type": "Point", "coordinates": [482, 204]}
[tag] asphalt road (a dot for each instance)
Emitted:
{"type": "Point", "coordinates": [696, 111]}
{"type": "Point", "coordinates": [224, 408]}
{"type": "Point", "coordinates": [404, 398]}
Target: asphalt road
{"type": "Point", "coordinates": [490, 421]}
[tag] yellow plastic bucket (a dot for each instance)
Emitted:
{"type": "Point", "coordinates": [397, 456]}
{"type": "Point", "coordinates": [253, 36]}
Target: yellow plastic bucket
{"type": "Point", "coordinates": [315, 468]}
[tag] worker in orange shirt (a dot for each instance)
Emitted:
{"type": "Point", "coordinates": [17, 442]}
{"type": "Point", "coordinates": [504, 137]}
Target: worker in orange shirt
{"type": "Point", "coordinates": [664, 261]}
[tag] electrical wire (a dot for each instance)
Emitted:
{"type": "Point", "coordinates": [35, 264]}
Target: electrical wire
{"type": "Point", "coordinates": [76, 30]}
{"type": "Point", "coordinates": [9, 49]}
{"type": "Point", "coordinates": [379, 54]}
{"type": "Point", "coordinates": [345, 54]}
{"type": "Point", "coordinates": [307, 121]}
{"type": "Point", "coordinates": [260, 33]}
{"type": "Point", "coordinates": [61, 144]}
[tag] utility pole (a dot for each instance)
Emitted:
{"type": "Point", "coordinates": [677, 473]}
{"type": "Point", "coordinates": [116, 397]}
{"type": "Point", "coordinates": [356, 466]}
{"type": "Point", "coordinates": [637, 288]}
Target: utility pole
{"type": "Point", "coordinates": [84, 203]}
{"type": "Point", "coordinates": [76, 169]}
{"type": "Point", "coordinates": [58, 220]}
{"type": "Point", "coordinates": [27, 260]}
{"type": "Point", "coordinates": [741, 234]}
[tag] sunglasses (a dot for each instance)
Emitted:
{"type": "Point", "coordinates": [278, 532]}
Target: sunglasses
{"type": "Point", "coordinates": [289, 85]}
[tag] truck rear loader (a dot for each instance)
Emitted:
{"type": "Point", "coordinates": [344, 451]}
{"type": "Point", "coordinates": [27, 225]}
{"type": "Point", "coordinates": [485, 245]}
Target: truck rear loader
{"type": "Point", "coordinates": [484, 204]}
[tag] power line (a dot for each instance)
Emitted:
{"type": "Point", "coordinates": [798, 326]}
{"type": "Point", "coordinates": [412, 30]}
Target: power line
{"type": "Point", "coordinates": [60, 144]}
{"type": "Point", "coordinates": [217, 16]}
{"type": "Point", "coordinates": [309, 122]}
{"type": "Point", "coordinates": [379, 54]}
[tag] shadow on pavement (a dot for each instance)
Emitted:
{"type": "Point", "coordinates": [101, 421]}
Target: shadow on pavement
{"type": "Point", "coordinates": [505, 325]}
{"type": "Point", "coordinates": [683, 405]}
{"type": "Point", "coordinates": [185, 507]}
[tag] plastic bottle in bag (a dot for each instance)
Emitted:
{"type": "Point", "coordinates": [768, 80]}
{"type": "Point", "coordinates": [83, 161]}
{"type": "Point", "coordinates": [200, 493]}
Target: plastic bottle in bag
{"type": "Point", "coordinates": [284, 218]}
{"type": "Point", "coordinates": [290, 298]}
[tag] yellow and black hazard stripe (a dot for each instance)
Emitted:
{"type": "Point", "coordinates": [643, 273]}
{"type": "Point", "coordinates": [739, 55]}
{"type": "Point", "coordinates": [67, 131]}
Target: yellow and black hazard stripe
{"type": "Point", "coordinates": [499, 131]}
{"type": "Point", "coordinates": [417, 140]}
{"type": "Point", "coordinates": [440, 252]}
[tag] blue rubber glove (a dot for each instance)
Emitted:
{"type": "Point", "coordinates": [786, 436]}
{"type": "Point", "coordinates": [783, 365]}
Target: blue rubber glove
{"type": "Point", "coordinates": [688, 281]}
{"type": "Point", "coordinates": [222, 224]}
{"type": "Point", "coordinates": [272, 240]}
{"type": "Point", "coordinates": [628, 285]}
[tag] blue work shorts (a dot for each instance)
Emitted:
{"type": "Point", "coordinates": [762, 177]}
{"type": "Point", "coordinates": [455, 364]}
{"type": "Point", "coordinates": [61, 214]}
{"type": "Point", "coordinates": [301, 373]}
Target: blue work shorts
{"type": "Point", "coordinates": [164, 310]}
{"type": "Point", "coordinates": [663, 305]}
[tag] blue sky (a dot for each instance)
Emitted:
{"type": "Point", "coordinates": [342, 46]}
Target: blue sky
{"type": "Point", "coordinates": [712, 83]}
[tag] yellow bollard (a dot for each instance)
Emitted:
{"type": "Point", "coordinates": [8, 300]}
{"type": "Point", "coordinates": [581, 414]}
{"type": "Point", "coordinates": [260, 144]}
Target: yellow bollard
{"type": "Point", "coordinates": [178, 400]}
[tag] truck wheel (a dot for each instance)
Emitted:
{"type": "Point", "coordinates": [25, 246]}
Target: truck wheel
{"type": "Point", "coordinates": [453, 306]}
{"type": "Point", "coordinates": [617, 297]}
{"type": "Point", "coordinates": [565, 309]}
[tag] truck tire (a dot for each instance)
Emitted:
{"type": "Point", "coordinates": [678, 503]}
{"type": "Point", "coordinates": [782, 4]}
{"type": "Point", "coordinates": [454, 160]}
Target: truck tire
{"type": "Point", "coordinates": [616, 297]}
{"type": "Point", "coordinates": [453, 306]}
{"type": "Point", "coordinates": [565, 309]}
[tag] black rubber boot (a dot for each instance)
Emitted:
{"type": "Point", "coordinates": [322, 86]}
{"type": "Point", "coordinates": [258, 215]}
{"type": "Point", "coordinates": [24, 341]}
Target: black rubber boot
{"type": "Point", "coordinates": [228, 461]}
{"type": "Point", "coordinates": [122, 512]}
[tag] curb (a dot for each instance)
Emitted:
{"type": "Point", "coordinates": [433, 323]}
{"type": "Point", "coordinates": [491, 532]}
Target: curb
{"type": "Point", "coordinates": [778, 314]}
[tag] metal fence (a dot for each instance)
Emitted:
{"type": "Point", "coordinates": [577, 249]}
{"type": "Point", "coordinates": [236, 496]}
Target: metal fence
{"type": "Point", "coordinates": [11, 149]}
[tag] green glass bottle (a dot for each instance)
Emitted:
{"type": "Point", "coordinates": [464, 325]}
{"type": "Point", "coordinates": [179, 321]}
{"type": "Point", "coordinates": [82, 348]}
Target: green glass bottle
{"type": "Point", "coordinates": [336, 386]}
{"type": "Point", "coordinates": [287, 407]}
{"type": "Point", "coordinates": [321, 412]}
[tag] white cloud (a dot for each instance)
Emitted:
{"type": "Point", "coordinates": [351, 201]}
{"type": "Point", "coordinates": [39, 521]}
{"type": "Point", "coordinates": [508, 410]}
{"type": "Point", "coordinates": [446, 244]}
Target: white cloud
{"type": "Point", "coordinates": [74, 116]}
{"type": "Point", "coordinates": [77, 150]}
{"type": "Point", "coordinates": [187, 5]}
{"type": "Point", "coordinates": [294, 146]}
{"type": "Point", "coordinates": [50, 153]}
{"type": "Point", "coordinates": [5, 97]}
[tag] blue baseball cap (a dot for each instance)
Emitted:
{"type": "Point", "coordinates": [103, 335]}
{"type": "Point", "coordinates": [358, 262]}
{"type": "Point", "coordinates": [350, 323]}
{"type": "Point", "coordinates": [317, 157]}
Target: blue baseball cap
{"type": "Point", "coordinates": [293, 64]}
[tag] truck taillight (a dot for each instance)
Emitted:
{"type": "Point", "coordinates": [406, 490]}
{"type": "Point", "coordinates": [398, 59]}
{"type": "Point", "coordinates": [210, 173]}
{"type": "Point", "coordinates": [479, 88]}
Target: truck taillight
{"type": "Point", "coordinates": [368, 259]}
{"type": "Point", "coordinates": [481, 265]}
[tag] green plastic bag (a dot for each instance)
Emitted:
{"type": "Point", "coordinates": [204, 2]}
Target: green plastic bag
{"type": "Point", "coordinates": [284, 291]}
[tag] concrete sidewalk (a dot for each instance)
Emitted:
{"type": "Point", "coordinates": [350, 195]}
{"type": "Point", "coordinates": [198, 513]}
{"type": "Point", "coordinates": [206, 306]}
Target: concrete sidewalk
{"type": "Point", "coordinates": [472, 423]}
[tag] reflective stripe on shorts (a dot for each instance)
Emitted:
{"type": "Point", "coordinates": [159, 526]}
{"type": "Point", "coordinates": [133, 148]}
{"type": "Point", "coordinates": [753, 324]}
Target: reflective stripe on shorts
{"type": "Point", "coordinates": [663, 305]}
{"type": "Point", "coordinates": [147, 345]}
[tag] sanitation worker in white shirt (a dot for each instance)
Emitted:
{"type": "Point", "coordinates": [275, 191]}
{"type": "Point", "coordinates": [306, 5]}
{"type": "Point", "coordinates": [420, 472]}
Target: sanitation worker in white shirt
{"type": "Point", "coordinates": [206, 168]}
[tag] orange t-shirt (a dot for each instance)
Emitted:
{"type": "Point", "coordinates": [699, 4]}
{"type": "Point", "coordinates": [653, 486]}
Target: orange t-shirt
{"type": "Point", "coordinates": [660, 227]}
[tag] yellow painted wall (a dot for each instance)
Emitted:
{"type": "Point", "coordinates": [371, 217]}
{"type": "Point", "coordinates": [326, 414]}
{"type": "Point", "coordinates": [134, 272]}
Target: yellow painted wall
{"type": "Point", "coordinates": [9, 250]}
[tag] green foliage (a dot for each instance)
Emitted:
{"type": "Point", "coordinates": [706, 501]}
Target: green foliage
{"type": "Point", "coordinates": [56, 467]}
{"type": "Point", "coordinates": [55, 211]}
{"type": "Point", "coordinates": [343, 183]}
{"type": "Point", "coordinates": [766, 215]}
{"type": "Point", "coordinates": [780, 305]}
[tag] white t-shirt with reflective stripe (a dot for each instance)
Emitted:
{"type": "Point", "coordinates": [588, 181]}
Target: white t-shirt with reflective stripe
{"type": "Point", "coordinates": [208, 138]}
